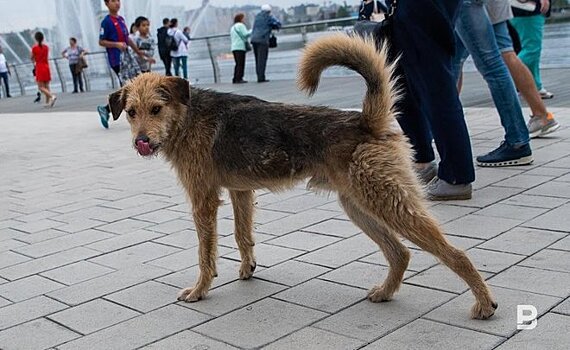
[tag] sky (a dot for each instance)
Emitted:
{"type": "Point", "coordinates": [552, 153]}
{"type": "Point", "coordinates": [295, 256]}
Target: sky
{"type": "Point", "coordinates": [25, 14]}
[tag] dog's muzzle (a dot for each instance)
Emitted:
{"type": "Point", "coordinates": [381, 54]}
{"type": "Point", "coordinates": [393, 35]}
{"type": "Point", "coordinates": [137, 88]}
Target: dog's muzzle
{"type": "Point", "coordinates": [143, 146]}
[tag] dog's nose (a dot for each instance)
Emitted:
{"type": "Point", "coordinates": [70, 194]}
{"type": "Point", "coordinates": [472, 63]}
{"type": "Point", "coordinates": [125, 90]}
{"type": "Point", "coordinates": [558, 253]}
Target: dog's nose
{"type": "Point", "coordinates": [142, 138]}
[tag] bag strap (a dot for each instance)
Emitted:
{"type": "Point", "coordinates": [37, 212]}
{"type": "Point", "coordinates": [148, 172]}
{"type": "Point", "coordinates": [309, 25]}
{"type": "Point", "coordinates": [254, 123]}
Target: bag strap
{"type": "Point", "coordinates": [238, 33]}
{"type": "Point", "coordinates": [120, 34]}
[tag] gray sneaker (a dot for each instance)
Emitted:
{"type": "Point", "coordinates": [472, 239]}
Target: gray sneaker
{"type": "Point", "coordinates": [540, 126]}
{"type": "Point", "coordinates": [440, 190]}
{"type": "Point", "coordinates": [428, 173]}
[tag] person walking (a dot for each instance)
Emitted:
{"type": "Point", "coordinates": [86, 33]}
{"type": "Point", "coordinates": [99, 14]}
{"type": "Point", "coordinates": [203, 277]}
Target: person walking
{"type": "Point", "coordinates": [74, 54]}
{"type": "Point", "coordinates": [370, 9]}
{"type": "Point", "coordinates": [4, 72]}
{"type": "Point", "coordinates": [264, 23]}
{"type": "Point", "coordinates": [163, 51]}
{"type": "Point", "coordinates": [240, 45]}
{"type": "Point", "coordinates": [39, 56]}
{"type": "Point", "coordinates": [145, 43]}
{"type": "Point", "coordinates": [179, 56]}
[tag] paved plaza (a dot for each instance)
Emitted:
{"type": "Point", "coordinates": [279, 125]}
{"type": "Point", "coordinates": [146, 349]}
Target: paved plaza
{"type": "Point", "coordinates": [95, 243]}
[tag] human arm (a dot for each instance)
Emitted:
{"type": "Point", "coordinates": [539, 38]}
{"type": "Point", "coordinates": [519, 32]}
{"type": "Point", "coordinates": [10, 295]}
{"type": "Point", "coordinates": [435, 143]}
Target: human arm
{"type": "Point", "coordinates": [274, 22]}
{"type": "Point", "coordinates": [243, 32]}
{"type": "Point", "coordinates": [544, 6]}
{"type": "Point", "coordinates": [180, 37]}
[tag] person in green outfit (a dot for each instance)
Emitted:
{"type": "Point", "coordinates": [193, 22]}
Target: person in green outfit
{"type": "Point", "coordinates": [240, 45]}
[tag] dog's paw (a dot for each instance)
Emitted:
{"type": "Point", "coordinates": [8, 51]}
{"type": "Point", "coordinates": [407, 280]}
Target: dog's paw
{"type": "Point", "coordinates": [378, 294]}
{"type": "Point", "coordinates": [190, 295]}
{"type": "Point", "coordinates": [482, 312]}
{"type": "Point", "coordinates": [246, 270]}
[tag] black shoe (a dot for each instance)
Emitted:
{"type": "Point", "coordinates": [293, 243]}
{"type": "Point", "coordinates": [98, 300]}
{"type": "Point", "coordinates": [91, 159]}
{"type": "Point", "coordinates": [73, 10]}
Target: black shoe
{"type": "Point", "coordinates": [506, 155]}
{"type": "Point", "coordinates": [75, 92]}
{"type": "Point", "coordinates": [263, 81]}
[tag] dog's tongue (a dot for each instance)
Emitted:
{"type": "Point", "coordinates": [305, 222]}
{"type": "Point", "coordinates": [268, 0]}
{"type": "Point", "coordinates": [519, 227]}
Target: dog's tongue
{"type": "Point", "coordinates": [143, 148]}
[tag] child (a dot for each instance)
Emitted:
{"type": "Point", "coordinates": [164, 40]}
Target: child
{"type": "Point", "coordinates": [145, 43]}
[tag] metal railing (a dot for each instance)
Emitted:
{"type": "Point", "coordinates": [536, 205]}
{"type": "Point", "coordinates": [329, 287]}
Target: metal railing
{"type": "Point", "coordinates": [99, 76]}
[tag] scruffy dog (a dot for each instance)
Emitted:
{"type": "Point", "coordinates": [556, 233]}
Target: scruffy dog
{"type": "Point", "coordinates": [218, 140]}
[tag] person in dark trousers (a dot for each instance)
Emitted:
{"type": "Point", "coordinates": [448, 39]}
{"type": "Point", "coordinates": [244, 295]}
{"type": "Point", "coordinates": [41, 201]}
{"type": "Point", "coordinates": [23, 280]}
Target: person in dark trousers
{"type": "Point", "coordinates": [163, 51]}
{"type": "Point", "coordinates": [423, 33]}
{"type": "Point", "coordinates": [239, 36]}
{"type": "Point", "coordinates": [74, 53]}
{"type": "Point", "coordinates": [262, 26]}
{"type": "Point", "coordinates": [4, 72]}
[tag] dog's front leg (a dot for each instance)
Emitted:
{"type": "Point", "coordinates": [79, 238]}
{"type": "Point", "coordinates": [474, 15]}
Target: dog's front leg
{"type": "Point", "coordinates": [242, 202]}
{"type": "Point", "coordinates": [204, 210]}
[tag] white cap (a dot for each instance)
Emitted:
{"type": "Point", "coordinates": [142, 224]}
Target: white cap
{"type": "Point", "coordinates": [266, 8]}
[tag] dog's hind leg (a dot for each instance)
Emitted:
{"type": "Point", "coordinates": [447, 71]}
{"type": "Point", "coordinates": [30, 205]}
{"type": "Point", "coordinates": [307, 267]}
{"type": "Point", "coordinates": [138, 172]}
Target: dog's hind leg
{"type": "Point", "coordinates": [397, 254]}
{"type": "Point", "coordinates": [242, 202]}
{"type": "Point", "coordinates": [204, 210]}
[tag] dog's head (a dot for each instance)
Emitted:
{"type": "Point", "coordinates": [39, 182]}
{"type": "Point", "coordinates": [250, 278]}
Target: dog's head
{"type": "Point", "coordinates": [153, 103]}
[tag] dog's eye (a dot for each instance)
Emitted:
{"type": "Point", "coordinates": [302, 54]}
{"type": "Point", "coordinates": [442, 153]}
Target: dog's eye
{"type": "Point", "coordinates": [155, 110]}
{"type": "Point", "coordinates": [131, 113]}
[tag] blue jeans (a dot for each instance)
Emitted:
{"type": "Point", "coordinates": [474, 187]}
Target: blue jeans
{"type": "Point", "coordinates": [180, 62]}
{"type": "Point", "coordinates": [477, 37]}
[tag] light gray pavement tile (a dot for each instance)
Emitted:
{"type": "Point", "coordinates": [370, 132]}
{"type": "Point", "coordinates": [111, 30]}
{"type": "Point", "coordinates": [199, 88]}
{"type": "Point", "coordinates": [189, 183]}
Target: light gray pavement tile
{"type": "Point", "coordinates": [445, 213]}
{"type": "Point", "coordinates": [27, 310]}
{"type": "Point", "coordinates": [442, 278]}
{"type": "Point", "coordinates": [183, 259]}
{"type": "Point", "coordinates": [134, 255]}
{"type": "Point", "coordinates": [41, 236]}
{"type": "Point", "coordinates": [478, 226]}
{"type": "Point", "coordinates": [160, 216]}
{"type": "Point", "coordinates": [332, 206]}
{"type": "Point", "coordinates": [2, 281]}
{"type": "Point", "coordinates": [133, 201]}
{"type": "Point", "coordinates": [8, 233]}
{"type": "Point", "coordinates": [106, 284]}
{"type": "Point", "coordinates": [37, 226]}
{"type": "Point", "coordinates": [228, 271]}
{"type": "Point", "coordinates": [140, 330]}
{"type": "Point", "coordinates": [295, 222]}
{"type": "Point", "coordinates": [260, 323]}
{"type": "Point", "coordinates": [522, 240]}
{"type": "Point", "coordinates": [550, 333]}
{"type": "Point", "coordinates": [62, 243]}
{"type": "Point", "coordinates": [225, 227]}
{"type": "Point", "coordinates": [39, 334]}
{"type": "Point", "coordinates": [10, 244]}
{"type": "Point", "coordinates": [491, 261]}
{"type": "Point", "coordinates": [143, 208]}
{"type": "Point", "coordinates": [93, 316]}
{"type": "Point", "coordinates": [264, 216]}
{"type": "Point", "coordinates": [342, 252]}
{"type": "Point", "coordinates": [85, 203]}
{"type": "Point", "coordinates": [45, 263]}
{"type": "Point", "coordinates": [548, 259]}
{"type": "Point", "coordinates": [291, 272]}
{"type": "Point", "coordinates": [560, 163]}
{"type": "Point", "coordinates": [463, 242]}
{"type": "Point", "coordinates": [524, 181]}
{"type": "Point", "coordinates": [563, 308]}
{"type": "Point", "coordinates": [419, 261]}
{"type": "Point", "coordinates": [4, 302]}
{"type": "Point", "coordinates": [230, 240]}
{"type": "Point", "coordinates": [516, 212]}
{"type": "Point", "coordinates": [359, 274]}
{"type": "Point", "coordinates": [487, 196]}
{"type": "Point", "coordinates": [557, 219]}
{"type": "Point", "coordinates": [525, 200]}
{"type": "Point", "coordinates": [322, 295]}
{"type": "Point", "coordinates": [78, 225]}
{"type": "Point", "coordinates": [548, 171]}
{"type": "Point", "coordinates": [124, 226]}
{"type": "Point", "coordinates": [183, 239]}
{"type": "Point", "coordinates": [303, 240]}
{"type": "Point", "coordinates": [486, 177]}
{"type": "Point", "coordinates": [123, 241]}
{"type": "Point", "coordinates": [233, 296]}
{"type": "Point", "coordinates": [27, 288]}
{"type": "Point", "coordinates": [172, 226]}
{"type": "Point", "coordinates": [314, 338]}
{"type": "Point", "coordinates": [504, 321]}
{"type": "Point", "coordinates": [551, 189]}
{"type": "Point", "coordinates": [300, 203]}
{"type": "Point", "coordinates": [334, 227]}
{"type": "Point", "coordinates": [368, 321]}
{"type": "Point", "coordinates": [146, 296]}
{"type": "Point", "coordinates": [268, 198]}
{"type": "Point", "coordinates": [188, 340]}
{"type": "Point", "coordinates": [427, 335]}
{"type": "Point", "coordinates": [534, 280]}
{"type": "Point", "coordinates": [563, 244]}
{"type": "Point", "coordinates": [10, 258]}
{"type": "Point", "coordinates": [77, 272]}
{"type": "Point", "coordinates": [268, 255]}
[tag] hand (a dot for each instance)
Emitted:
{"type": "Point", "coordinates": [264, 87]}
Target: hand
{"type": "Point", "coordinates": [121, 46]}
{"type": "Point", "coordinates": [151, 60]}
{"type": "Point", "coordinates": [544, 6]}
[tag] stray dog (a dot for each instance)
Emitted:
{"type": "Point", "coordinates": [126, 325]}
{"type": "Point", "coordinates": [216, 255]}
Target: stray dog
{"type": "Point", "coordinates": [220, 140]}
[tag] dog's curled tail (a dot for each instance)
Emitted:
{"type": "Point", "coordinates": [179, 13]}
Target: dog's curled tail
{"type": "Point", "coordinates": [360, 55]}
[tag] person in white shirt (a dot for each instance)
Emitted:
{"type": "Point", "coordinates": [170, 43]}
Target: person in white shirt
{"type": "Point", "coordinates": [180, 56]}
{"type": "Point", "coordinates": [4, 72]}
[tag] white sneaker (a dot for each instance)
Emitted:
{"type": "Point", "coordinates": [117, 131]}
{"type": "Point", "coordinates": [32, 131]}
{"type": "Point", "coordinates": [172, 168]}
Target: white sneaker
{"type": "Point", "coordinates": [545, 95]}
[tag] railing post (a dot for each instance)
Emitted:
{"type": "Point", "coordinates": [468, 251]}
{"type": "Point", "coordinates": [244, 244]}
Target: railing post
{"type": "Point", "coordinates": [58, 70]}
{"type": "Point", "coordinates": [215, 66]}
{"type": "Point", "coordinates": [22, 90]}
{"type": "Point", "coordinates": [304, 35]}
{"type": "Point", "coordinates": [85, 80]}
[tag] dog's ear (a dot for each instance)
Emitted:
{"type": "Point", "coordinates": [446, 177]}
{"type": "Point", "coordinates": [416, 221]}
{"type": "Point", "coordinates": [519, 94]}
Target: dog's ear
{"type": "Point", "coordinates": [117, 102]}
{"type": "Point", "coordinates": [178, 90]}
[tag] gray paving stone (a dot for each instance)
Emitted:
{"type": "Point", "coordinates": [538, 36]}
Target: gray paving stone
{"type": "Point", "coordinates": [160, 216]}
{"type": "Point", "coordinates": [369, 321]}
{"type": "Point", "coordinates": [488, 195]}
{"type": "Point", "coordinates": [322, 295]}
{"type": "Point", "coordinates": [300, 203]}
{"type": "Point", "coordinates": [268, 255]}
{"type": "Point", "coordinates": [233, 296]}
{"type": "Point", "coordinates": [80, 224]}
{"type": "Point", "coordinates": [334, 227]}
{"type": "Point", "coordinates": [442, 278]}
{"type": "Point", "coordinates": [53, 261]}
{"type": "Point", "coordinates": [184, 239]}
{"type": "Point", "coordinates": [419, 261]}
{"type": "Point", "coordinates": [516, 212]}
{"type": "Point", "coordinates": [188, 340]}
{"type": "Point", "coordinates": [41, 236]}
{"type": "Point", "coordinates": [504, 321]}
{"type": "Point", "coordinates": [183, 259]}
{"type": "Point", "coordinates": [4, 302]}
{"type": "Point", "coordinates": [303, 241]}
{"type": "Point", "coordinates": [563, 308]}
{"type": "Point", "coordinates": [227, 272]}
{"type": "Point", "coordinates": [10, 244]}
{"type": "Point", "coordinates": [264, 216]}
{"type": "Point", "coordinates": [172, 226]}
{"type": "Point", "coordinates": [524, 181]}
{"type": "Point", "coordinates": [522, 240]}
{"type": "Point", "coordinates": [534, 280]}
{"type": "Point", "coordinates": [134, 255]}
{"type": "Point", "coordinates": [428, 335]}
{"type": "Point", "coordinates": [314, 338]}
{"type": "Point", "coordinates": [445, 213]}
{"type": "Point", "coordinates": [93, 316]}
{"type": "Point", "coordinates": [62, 243]}
{"type": "Point", "coordinates": [295, 222]}
{"type": "Point", "coordinates": [45, 335]}
{"type": "Point", "coordinates": [549, 259]}
{"type": "Point", "coordinates": [526, 200]}
{"type": "Point", "coordinates": [106, 284]}
{"type": "Point", "coordinates": [140, 330]}
{"type": "Point", "coordinates": [563, 244]}
{"type": "Point", "coordinates": [550, 333]}
{"type": "Point", "coordinates": [359, 274]}
{"type": "Point", "coordinates": [230, 240]}
{"type": "Point", "coordinates": [77, 272]}
{"type": "Point", "coordinates": [146, 296]}
{"type": "Point", "coordinates": [27, 310]}
{"type": "Point", "coordinates": [551, 189]}
{"type": "Point", "coordinates": [291, 272]}
{"type": "Point", "coordinates": [491, 261]}
{"type": "Point", "coordinates": [267, 198]}
{"type": "Point", "coordinates": [27, 288]}
{"type": "Point", "coordinates": [123, 241]}
{"type": "Point", "coordinates": [9, 258]}
{"type": "Point", "coordinates": [557, 219]}
{"type": "Point", "coordinates": [481, 227]}
{"type": "Point", "coordinates": [124, 226]}
{"type": "Point", "coordinates": [37, 226]}
{"type": "Point", "coordinates": [260, 323]}
{"type": "Point", "coordinates": [342, 252]}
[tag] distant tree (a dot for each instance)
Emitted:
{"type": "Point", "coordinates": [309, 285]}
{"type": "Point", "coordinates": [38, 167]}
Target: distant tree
{"type": "Point", "coordinates": [343, 11]}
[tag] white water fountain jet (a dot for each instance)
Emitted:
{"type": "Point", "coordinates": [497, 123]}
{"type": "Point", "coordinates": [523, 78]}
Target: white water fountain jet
{"type": "Point", "coordinates": [7, 46]}
{"type": "Point", "coordinates": [77, 19]}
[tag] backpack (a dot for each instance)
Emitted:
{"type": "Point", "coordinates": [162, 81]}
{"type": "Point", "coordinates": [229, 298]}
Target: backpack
{"type": "Point", "coordinates": [170, 43]}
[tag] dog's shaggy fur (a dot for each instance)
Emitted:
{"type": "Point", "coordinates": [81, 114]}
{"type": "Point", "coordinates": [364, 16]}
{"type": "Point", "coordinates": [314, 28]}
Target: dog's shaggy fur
{"type": "Point", "coordinates": [241, 143]}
